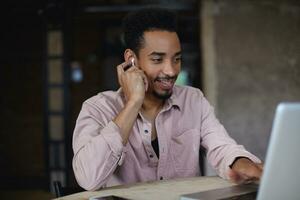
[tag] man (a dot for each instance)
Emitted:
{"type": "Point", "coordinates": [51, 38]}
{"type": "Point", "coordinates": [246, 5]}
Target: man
{"type": "Point", "coordinates": [151, 129]}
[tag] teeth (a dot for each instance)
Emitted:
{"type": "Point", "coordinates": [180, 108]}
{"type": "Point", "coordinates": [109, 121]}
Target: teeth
{"type": "Point", "coordinates": [166, 83]}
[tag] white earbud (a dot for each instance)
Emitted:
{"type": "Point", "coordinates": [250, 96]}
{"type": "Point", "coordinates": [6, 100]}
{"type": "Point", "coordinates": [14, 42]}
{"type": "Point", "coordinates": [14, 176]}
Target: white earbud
{"type": "Point", "coordinates": [132, 62]}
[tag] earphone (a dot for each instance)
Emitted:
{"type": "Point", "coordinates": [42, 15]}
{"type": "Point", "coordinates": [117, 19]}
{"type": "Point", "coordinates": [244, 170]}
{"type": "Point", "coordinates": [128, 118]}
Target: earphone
{"type": "Point", "coordinates": [132, 62]}
{"type": "Point", "coordinates": [144, 79]}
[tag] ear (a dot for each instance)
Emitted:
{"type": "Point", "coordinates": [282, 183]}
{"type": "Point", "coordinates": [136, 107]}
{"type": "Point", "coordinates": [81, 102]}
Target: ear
{"type": "Point", "coordinates": [128, 53]}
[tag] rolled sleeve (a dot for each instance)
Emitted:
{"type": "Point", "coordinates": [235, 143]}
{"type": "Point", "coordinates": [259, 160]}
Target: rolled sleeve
{"type": "Point", "coordinates": [221, 148]}
{"type": "Point", "coordinates": [111, 135]}
{"type": "Point", "coordinates": [98, 147]}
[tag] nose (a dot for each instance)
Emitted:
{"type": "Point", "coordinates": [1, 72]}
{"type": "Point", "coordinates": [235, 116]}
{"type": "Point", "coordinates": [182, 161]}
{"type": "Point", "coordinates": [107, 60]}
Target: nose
{"type": "Point", "coordinates": [170, 69]}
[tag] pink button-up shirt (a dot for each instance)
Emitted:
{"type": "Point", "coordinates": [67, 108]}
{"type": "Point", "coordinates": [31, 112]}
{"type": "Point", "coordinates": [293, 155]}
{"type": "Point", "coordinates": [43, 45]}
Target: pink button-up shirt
{"type": "Point", "coordinates": [186, 121]}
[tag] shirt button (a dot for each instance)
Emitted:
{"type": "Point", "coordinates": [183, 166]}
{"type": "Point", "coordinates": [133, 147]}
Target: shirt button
{"type": "Point", "coordinates": [146, 131]}
{"type": "Point", "coordinates": [151, 156]}
{"type": "Point", "coordinates": [161, 178]}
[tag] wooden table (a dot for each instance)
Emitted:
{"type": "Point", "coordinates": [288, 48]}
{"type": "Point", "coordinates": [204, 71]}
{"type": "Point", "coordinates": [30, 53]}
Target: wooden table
{"type": "Point", "coordinates": [165, 189]}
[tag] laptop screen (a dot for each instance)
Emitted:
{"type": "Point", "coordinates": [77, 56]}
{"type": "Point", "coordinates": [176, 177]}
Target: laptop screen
{"type": "Point", "coordinates": [281, 176]}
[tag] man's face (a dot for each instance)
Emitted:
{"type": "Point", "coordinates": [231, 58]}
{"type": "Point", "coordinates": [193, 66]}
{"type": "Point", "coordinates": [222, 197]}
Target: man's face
{"type": "Point", "coordinates": [160, 59]}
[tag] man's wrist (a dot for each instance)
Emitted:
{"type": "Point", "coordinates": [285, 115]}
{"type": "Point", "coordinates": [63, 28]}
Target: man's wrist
{"type": "Point", "coordinates": [236, 159]}
{"type": "Point", "coordinates": [134, 104]}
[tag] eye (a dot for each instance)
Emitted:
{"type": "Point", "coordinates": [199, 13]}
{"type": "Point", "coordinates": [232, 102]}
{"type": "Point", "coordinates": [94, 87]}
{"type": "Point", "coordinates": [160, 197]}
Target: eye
{"type": "Point", "coordinates": [178, 59]}
{"type": "Point", "coordinates": [156, 60]}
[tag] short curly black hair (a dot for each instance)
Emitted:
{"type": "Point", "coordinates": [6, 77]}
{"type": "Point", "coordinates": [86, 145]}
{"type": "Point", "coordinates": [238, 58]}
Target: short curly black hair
{"type": "Point", "coordinates": [147, 19]}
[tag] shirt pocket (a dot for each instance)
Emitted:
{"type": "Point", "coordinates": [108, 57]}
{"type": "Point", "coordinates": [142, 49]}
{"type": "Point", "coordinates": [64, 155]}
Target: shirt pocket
{"type": "Point", "coordinates": [185, 151]}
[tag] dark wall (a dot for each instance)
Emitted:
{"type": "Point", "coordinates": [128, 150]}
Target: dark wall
{"type": "Point", "coordinates": [21, 118]}
{"type": "Point", "coordinates": [93, 41]}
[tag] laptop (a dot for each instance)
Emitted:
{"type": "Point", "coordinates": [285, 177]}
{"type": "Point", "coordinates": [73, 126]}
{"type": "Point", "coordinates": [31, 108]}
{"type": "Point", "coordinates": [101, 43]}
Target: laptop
{"type": "Point", "coordinates": [281, 176]}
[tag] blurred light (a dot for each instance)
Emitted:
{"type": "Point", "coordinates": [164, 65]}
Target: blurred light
{"type": "Point", "coordinates": [77, 75]}
{"type": "Point", "coordinates": [182, 78]}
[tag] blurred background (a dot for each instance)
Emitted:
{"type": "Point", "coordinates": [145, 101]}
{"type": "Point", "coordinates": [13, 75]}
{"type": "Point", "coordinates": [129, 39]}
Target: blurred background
{"type": "Point", "coordinates": [243, 54]}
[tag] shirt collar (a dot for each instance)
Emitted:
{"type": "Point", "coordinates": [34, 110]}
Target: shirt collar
{"type": "Point", "coordinates": [174, 99]}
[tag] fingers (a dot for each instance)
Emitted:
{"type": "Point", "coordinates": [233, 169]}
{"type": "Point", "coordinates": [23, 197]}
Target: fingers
{"type": "Point", "coordinates": [128, 66]}
{"type": "Point", "coordinates": [244, 171]}
{"type": "Point", "coordinates": [242, 179]}
{"type": "Point", "coordinates": [121, 69]}
{"type": "Point", "coordinates": [238, 178]}
{"type": "Point", "coordinates": [124, 66]}
{"type": "Point", "coordinates": [133, 81]}
{"type": "Point", "coordinates": [251, 176]}
{"type": "Point", "coordinates": [145, 80]}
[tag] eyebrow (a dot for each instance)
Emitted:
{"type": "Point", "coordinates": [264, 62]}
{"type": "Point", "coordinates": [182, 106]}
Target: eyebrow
{"type": "Point", "coordinates": [178, 53]}
{"type": "Point", "coordinates": [154, 53]}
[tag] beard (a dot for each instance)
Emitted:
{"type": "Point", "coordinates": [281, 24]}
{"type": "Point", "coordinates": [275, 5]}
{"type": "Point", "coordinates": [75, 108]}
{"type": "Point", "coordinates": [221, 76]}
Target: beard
{"type": "Point", "coordinates": [164, 96]}
{"type": "Point", "coordinates": [167, 93]}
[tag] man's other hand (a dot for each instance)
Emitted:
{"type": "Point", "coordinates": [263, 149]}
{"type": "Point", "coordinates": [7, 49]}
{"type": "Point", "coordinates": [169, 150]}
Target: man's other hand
{"type": "Point", "coordinates": [245, 171]}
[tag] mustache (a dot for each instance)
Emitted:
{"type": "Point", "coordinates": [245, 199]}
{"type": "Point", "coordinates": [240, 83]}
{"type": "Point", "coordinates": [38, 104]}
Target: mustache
{"type": "Point", "coordinates": [165, 78]}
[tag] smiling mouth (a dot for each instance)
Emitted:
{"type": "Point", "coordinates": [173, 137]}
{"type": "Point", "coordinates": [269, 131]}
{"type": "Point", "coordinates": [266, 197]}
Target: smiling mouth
{"type": "Point", "coordinates": [165, 83]}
